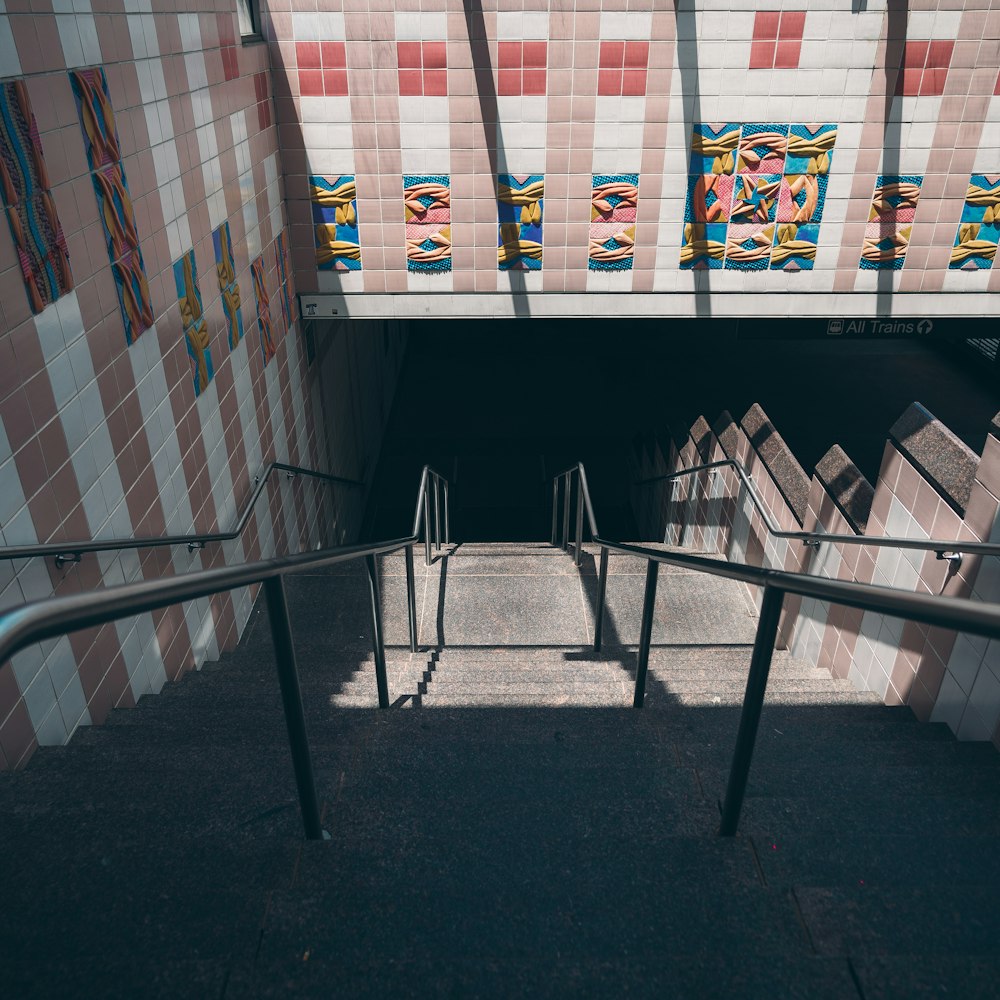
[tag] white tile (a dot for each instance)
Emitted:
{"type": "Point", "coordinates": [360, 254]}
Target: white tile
{"type": "Point", "coordinates": [616, 24]}
{"type": "Point", "coordinates": [8, 50]}
{"type": "Point", "coordinates": [89, 41]}
{"type": "Point", "coordinates": [950, 704]}
{"type": "Point", "coordinates": [69, 36]}
{"type": "Point", "coordinates": [964, 663]}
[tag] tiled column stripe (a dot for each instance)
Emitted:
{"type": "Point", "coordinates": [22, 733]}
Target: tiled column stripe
{"type": "Point", "coordinates": [888, 54]}
{"type": "Point", "coordinates": [558, 114]}
{"type": "Point", "coordinates": [472, 108]}
{"type": "Point", "coordinates": [583, 104]}
{"type": "Point", "coordinates": [963, 112]}
{"type": "Point", "coordinates": [654, 146]}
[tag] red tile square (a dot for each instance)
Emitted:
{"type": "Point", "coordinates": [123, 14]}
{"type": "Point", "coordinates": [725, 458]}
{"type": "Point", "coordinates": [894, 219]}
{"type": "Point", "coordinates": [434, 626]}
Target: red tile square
{"type": "Point", "coordinates": [634, 83]}
{"type": "Point", "coordinates": [410, 83]}
{"type": "Point", "coordinates": [996, 86]}
{"type": "Point", "coordinates": [612, 55]}
{"type": "Point", "coordinates": [307, 55]}
{"type": "Point", "coordinates": [311, 82]}
{"type": "Point", "coordinates": [915, 54]}
{"type": "Point", "coordinates": [609, 82]}
{"type": "Point", "coordinates": [535, 55]}
{"type": "Point", "coordinates": [786, 55]}
{"type": "Point", "coordinates": [408, 55]}
{"type": "Point", "coordinates": [435, 55]}
{"type": "Point", "coordinates": [908, 82]}
{"type": "Point", "coordinates": [509, 82]}
{"type": "Point", "coordinates": [939, 54]}
{"type": "Point", "coordinates": [765, 25]}
{"type": "Point", "coordinates": [435, 83]}
{"type": "Point", "coordinates": [762, 54]}
{"type": "Point", "coordinates": [636, 55]}
{"type": "Point", "coordinates": [509, 55]}
{"type": "Point", "coordinates": [534, 82]}
{"type": "Point", "coordinates": [335, 82]}
{"type": "Point", "coordinates": [932, 82]}
{"type": "Point", "coordinates": [334, 55]}
{"type": "Point", "coordinates": [793, 23]}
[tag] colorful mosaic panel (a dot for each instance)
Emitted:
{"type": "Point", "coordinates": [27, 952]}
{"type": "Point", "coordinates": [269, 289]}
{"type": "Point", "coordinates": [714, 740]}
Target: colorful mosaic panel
{"type": "Point", "coordinates": [762, 149]}
{"type": "Point", "coordinates": [114, 203]}
{"type": "Point", "coordinates": [613, 203]}
{"type": "Point", "coordinates": [268, 346]}
{"type": "Point", "coordinates": [704, 245]}
{"type": "Point", "coordinates": [890, 222]}
{"type": "Point", "coordinates": [748, 246]}
{"type": "Point", "coordinates": [335, 218]}
{"type": "Point", "coordinates": [225, 269]}
{"type": "Point", "coordinates": [31, 212]}
{"type": "Point", "coordinates": [979, 231]}
{"type": "Point", "coordinates": [755, 195]}
{"type": "Point", "coordinates": [97, 117]}
{"type": "Point", "coordinates": [280, 258]}
{"type": "Point", "coordinates": [193, 321]}
{"type": "Point", "coordinates": [427, 213]}
{"type": "Point", "coordinates": [520, 205]}
{"type": "Point", "coordinates": [808, 159]}
{"type": "Point", "coordinates": [713, 148]}
{"type": "Point", "coordinates": [133, 294]}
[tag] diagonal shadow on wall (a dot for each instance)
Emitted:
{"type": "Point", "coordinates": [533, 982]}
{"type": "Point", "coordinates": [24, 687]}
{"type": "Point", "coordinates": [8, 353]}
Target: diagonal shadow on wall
{"type": "Point", "coordinates": [482, 66]}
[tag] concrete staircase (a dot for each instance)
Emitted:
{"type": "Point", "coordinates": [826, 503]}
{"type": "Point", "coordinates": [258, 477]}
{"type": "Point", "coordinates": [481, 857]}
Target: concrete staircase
{"type": "Point", "coordinates": [512, 827]}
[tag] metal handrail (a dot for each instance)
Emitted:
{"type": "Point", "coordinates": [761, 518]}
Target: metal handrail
{"type": "Point", "coordinates": [958, 614]}
{"type": "Point", "coordinates": [70, 552]}
{"type": "Point", "coordinates": [38, 620]}
{"type": "Point", "coordinates": [951, 549]}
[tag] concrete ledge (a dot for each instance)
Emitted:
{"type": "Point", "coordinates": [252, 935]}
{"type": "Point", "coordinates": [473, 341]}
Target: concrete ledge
{"type": "Point", "coordinates": [847, 486]}
{"type": "Point", "coordinates": [682, 304]}
{"type": "Point", "coordinates": [789, 476]}
{"type": "Point", "coordinates": [701, 435]}
{"type": "Point", "coordinates": [947, 463]}
{"type": "Point", "coordinates": [728, 433]}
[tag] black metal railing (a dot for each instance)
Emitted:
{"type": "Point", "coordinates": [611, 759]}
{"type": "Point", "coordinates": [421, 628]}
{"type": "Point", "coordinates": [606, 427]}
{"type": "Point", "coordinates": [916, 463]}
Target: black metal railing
{"type": "Point", "coordinates": [957, 614]}
{"type": "Point", "coordinates": [950, 549]}
{"type": "Point", "coordinates": [70, 552]}
{"type": "Point", "coordinates": [38, 620]}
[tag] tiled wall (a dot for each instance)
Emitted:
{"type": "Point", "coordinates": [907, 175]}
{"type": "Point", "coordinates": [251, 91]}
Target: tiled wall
{"type": "Point", "coordinates": [884, 133]}
{"type": "Point", "coordinates": [140, 392]}
{"type": "Point", "coordinates": [930, 486]}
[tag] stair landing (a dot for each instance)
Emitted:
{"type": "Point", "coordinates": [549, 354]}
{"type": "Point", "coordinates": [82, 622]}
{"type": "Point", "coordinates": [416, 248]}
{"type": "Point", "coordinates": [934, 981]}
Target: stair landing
{"type": "Point", "coordinates": [508, 848]}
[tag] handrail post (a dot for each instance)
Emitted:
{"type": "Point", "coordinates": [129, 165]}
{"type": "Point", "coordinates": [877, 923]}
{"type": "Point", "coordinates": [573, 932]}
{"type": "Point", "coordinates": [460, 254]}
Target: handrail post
{"type": "Point", "coordinates": [555, 510]}
{"type": "Point", "coordinates": [447, 515]}
{"type": "Point", "coordinates": [411, 598]}
{"type": "Point", "coordinates": [291, 698]}
{"type": "Point", "coordinates": [602, 590]}
{"type": "Point", "coordinates": [378, 639]}
{"type": "Point", "coordinates": [579, 519]}
{"type": "Point", "coordinates": [645, 633]}
{"type": "Point", "coordinates": [753, 703]}
{"type": "Point", "coordinates": [428, 559]}
{"type": "Point", "coordinates": [437, 513]}
{"type": "Point", "coordinates": [567, 489]}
